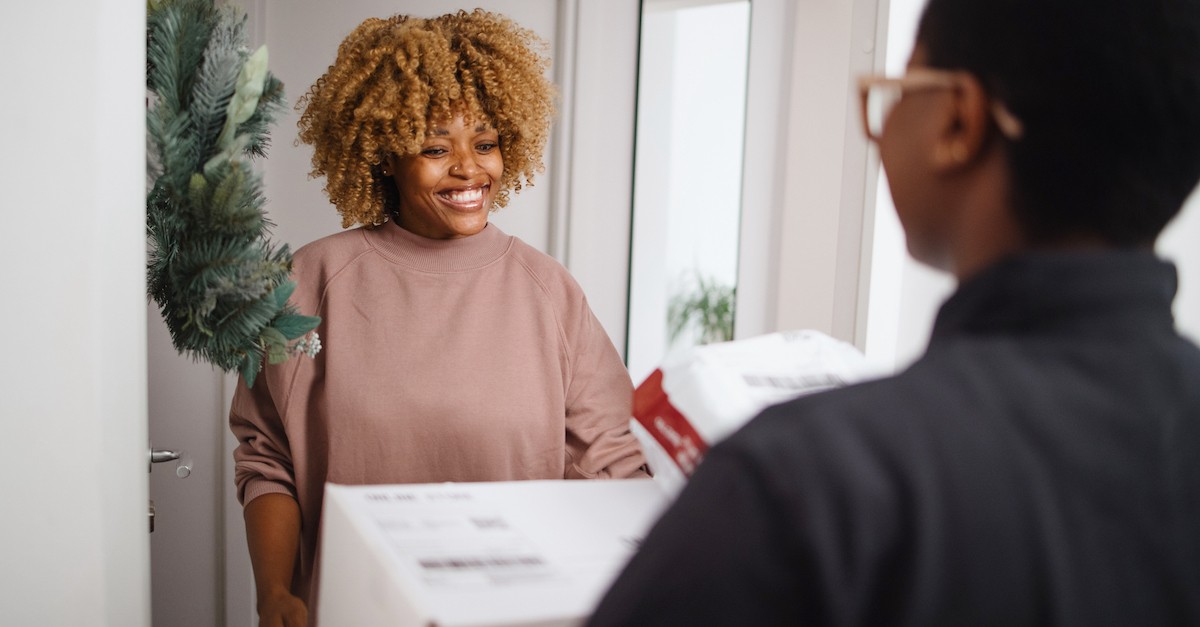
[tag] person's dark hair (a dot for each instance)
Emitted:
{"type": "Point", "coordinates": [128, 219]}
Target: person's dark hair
{"type": "Point", "coordinates": [1108, 92]}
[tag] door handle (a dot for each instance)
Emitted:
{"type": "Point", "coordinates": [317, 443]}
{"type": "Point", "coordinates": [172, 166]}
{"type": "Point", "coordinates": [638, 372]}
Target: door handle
{"type": "Point", "coordinates": [161, 455]}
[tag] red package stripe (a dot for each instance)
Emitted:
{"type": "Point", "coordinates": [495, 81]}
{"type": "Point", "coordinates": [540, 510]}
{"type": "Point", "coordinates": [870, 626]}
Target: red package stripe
{"type": "Point", "coordinates": [653, 409]}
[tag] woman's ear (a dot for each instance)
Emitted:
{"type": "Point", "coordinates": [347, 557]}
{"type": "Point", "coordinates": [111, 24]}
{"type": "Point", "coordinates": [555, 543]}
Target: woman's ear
{"type": "Point", "coordinates": [965, 126]}
{"type": "Point", "coordinates": [385, 166]}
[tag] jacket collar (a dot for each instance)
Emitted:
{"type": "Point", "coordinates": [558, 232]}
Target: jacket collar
{"type": "Point", "coordinates": [1064, 293]}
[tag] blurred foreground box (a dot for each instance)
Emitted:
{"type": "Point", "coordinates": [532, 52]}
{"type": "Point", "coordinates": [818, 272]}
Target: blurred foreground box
{"type": "Point", "coordinates": [457, 554]}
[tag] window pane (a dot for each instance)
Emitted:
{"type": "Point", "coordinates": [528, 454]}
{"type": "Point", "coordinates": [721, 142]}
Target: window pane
{"type": "Point", "coordinates": [687, 178]}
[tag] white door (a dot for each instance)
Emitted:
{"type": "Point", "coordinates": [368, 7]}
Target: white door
{"type": "Point", "coordinates": [74, 546]}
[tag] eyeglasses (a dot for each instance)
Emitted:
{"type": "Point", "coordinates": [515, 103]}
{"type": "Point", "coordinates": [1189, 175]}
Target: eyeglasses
{"type": "Point", "coordinates": [880, 94]}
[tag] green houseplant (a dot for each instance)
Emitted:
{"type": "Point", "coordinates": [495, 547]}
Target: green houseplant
{"type": "Point", "coordinates": [707, 308]}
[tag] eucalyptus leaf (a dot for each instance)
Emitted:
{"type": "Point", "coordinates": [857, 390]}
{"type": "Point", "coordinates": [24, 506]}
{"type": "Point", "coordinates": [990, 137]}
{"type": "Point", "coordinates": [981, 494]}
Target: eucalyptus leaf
{"type": "Point", "coordinates": [293, 326]}
{"type": "Point", "coordinates": [277, 355]}
{"type": "Point", "coordinates": [283, 293]}
{"type": "Point", "coordinates": [272, 337]}
{"type": "Point", "coordinates": [250, 367]}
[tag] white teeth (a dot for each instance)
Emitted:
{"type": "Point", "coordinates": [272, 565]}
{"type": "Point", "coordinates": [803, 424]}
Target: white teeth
{"type": "Point", "coordinates": [466, 196]}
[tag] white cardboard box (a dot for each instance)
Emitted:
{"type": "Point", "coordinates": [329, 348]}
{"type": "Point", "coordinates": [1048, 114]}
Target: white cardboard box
{"type": "Point", "coordinates": [474, 554]}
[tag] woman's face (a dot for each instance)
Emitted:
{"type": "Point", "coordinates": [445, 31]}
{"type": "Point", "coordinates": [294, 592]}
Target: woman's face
{"type": "Point", "coordinates": [447, 189]}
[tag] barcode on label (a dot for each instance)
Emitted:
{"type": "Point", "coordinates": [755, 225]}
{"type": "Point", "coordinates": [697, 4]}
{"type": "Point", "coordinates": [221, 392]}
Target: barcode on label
{"type": "Point", "coordinates": [794, 383]}
{"type": "Point", "coordinates": [482, 563]}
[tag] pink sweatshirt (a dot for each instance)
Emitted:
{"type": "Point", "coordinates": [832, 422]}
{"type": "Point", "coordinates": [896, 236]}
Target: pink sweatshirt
{"type": "Point", "coordinates": [474, 359]}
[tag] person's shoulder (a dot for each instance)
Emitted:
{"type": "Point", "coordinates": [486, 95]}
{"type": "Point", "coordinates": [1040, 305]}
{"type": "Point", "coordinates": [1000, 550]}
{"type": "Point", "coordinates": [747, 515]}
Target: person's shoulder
{"type": "Point", "coordinates": [326, 256]}
{"type": "Point", "coordinates": [862, 424]}
{"type": "Point", "coordinates": [317, 263]}
{"type": "Point", "coordinates": [866, 405]}
{"type": "Point", "coordinates": [349, 242]}
{"type": "Point", "coordinates": [852, 451]}
{"type": "Point", "coordinates": [544, 269]}
{"type": "Point", "coordinates": [537, 260]}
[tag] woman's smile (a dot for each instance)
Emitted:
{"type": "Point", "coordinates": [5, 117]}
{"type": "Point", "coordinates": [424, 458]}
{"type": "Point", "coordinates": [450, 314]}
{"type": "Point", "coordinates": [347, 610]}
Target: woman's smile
{"type": "Point", "coordinates": [465, 198]}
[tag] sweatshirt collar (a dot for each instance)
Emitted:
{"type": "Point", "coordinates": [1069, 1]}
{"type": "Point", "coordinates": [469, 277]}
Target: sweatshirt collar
{"type": "Point", "coordinates": [438, 255]}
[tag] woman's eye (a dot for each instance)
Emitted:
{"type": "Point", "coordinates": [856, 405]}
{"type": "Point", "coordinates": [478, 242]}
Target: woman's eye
{"type": "Point", "coordinates": [486, 147]}
{"type": "Point", "coordinates": [433, 152]}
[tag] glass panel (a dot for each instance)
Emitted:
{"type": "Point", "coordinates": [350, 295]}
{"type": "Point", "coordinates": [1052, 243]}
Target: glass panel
{"type": "Point", "coordinates": [687, 177]}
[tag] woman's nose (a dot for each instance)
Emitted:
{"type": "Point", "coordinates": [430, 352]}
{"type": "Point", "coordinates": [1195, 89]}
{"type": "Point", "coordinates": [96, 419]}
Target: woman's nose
{"type": "Point", "coordinates": [466, 166]}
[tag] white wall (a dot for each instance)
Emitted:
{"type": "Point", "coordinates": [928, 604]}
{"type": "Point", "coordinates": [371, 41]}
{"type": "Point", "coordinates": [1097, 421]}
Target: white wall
{"type": "Point", "coordinates": [73, 537]}
{"type": "Point", "coordinates": [598, 170]}
{"type": "Point", "coordinates": [821, 228]}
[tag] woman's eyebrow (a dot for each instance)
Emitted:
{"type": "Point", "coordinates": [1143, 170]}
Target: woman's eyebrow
{"type": "Point", "coordinates": [441, 132]}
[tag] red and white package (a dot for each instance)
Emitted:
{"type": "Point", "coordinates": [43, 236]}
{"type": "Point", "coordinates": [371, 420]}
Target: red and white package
{"type": "Point", "coordinates": [701, 395]}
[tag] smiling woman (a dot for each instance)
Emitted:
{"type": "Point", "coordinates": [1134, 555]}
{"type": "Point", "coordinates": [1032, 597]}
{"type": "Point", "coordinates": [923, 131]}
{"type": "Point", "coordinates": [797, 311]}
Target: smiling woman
{"type": "Point", "coordinates": [453, 352]}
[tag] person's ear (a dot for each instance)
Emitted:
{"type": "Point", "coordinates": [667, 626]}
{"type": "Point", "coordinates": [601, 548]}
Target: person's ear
{"type": "Point", "coordinates": [386, 167]}
{"type": "Point", "coordinates": [965, 125]}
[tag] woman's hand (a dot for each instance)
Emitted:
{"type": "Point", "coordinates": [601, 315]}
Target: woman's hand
{"type": "Point", "coordinates": [281, 609]}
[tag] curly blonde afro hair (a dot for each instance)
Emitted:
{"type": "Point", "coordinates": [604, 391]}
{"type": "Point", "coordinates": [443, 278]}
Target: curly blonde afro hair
{"type": "Point", "coordinates": [394, 76]}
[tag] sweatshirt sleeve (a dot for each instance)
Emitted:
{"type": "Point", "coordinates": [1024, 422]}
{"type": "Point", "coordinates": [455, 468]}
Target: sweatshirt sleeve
{"type": "Point", "coordinates": [262, 459]}
{"type": "Point", "coordinates": [599, 405]}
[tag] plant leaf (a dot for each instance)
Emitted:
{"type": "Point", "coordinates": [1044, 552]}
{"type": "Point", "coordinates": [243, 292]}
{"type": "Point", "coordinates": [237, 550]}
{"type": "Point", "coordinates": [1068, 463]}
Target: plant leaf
{"type": "Point", "coordinates": [250, 367]}
{"type": "Point", "coordinates": [293, 326]}
{"type": "Point", "coordinates": [283, 292]}
{"type": "Point", "coordinates": [276, 345]}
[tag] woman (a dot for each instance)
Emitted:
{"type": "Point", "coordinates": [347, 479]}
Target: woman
{"type": "Point", "coordinates": [452, 352]}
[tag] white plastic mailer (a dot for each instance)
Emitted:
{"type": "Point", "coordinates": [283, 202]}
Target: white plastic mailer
{"type": "Point", "coordinates": [701, 395]}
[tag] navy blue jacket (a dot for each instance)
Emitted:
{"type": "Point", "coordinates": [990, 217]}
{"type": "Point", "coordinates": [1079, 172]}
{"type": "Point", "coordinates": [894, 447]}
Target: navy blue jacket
{"type": "Point", "coordinates": [1040, 465]}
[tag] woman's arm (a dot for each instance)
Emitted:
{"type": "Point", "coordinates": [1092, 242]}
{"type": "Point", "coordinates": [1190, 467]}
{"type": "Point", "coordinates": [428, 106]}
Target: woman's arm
{"type": "Point", "coordinates": [266, 485]}
{"type": "Point", "coordinates": [273, 535]}
{"type": "Point", "coordinates": [599, 404]}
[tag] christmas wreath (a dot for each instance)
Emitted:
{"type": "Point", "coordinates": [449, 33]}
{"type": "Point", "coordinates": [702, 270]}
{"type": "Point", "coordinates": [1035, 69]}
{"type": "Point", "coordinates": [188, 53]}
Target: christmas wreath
{"type": "Point", "coordinates": [221, 285]}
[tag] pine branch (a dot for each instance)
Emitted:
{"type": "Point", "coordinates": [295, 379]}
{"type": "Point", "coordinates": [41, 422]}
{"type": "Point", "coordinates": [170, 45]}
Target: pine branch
{"type": "Point", "coordinates": [222, 287]}
{"type": "Point", "coordinates": [214, 84]}
{"type": "Point", "coordinates": [256, 127]}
